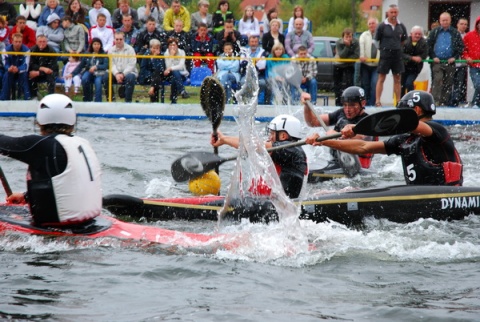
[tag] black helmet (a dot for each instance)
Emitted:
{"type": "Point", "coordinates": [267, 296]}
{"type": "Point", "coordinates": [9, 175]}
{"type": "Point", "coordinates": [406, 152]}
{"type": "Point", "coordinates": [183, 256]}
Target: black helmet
{"type": "Point", "coordinates": [421, 99]}
{"type": "Point", "coordinates": [353, 94]}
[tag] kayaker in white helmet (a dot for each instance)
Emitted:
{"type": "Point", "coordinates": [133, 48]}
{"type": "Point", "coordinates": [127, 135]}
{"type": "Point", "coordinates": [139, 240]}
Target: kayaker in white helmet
{"type": "Point", "coordinates": [291, 163]}
{"type": "Point", "coordinates": [63, 179]}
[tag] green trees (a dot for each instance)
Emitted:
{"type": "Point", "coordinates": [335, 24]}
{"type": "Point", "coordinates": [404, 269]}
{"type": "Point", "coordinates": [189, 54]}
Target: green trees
{"type": "Point", "coordinates": [329, 17]}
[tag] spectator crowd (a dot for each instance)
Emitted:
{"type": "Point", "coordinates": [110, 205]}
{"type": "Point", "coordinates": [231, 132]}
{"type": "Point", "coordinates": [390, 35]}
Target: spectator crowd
{"type": "Point", "coordinates": [217, 39]}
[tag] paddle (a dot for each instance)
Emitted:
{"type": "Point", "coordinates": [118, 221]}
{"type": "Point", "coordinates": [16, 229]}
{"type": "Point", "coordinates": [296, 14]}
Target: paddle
{"type": "Point", "coordinates": [167, 209]}
{"type": "Point", "coordinates": [212, 100]}
{"type": "Point", "coordinates": [383, 123]}
{"type": "Point", "coordinates": [293, 75]}
{"type": "Point", "coordinates": [5, 183]}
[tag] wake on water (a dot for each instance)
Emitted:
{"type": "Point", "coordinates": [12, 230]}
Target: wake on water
{"type": "Point", "coordinates": [289, 242]}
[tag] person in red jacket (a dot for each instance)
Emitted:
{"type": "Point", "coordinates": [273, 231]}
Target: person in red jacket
{"type": "Point", "coordinates": [471, 53]}
{"type": "Point", "coordinates": [28, 33]}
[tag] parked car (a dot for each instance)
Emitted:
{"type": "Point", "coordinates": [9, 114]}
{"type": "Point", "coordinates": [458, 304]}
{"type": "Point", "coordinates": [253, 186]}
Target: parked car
{"type": "Point", "coordinates": [324, 48]}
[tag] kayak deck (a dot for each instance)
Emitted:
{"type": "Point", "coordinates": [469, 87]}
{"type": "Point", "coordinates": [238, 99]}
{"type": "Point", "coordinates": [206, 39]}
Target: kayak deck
{"type": "Point", "coordinates": [401, 204]}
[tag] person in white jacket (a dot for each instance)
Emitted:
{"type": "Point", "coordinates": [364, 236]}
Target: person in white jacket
{"type": "Point", "coordinates": [31, 11]}
{"type": "Point", "coordinates": [103, 32]}
{"type": "Point", "coordinates": [124, 67]}
{"type": "Point", "coordinates": [368, 69]}
{"type": "Point", "coordinates": [98, 7]}
{"type": "Point", "coordinates": [175, 69]}
{"type": "Point", "coordinates": [248, 25]}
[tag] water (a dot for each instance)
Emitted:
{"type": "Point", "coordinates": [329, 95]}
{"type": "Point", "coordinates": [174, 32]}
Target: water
{"type": "Point", "coordinates": [427, 270]}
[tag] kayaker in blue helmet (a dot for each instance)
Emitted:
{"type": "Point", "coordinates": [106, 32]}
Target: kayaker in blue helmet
{"type": "Point", "coordinates": [429, 156]}
{"type": "Point", "coordinates": [290, 163]}
{"type": "Point", "coordinates": [63, 178]}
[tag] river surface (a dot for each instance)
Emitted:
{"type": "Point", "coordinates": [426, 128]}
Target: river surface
{"type": "Point", "coordinates": [423, 271]}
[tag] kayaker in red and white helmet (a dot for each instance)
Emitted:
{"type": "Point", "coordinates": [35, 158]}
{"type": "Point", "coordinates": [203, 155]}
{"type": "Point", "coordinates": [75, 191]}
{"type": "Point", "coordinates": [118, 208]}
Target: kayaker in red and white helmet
{"type": "Point", "coordinates": [63, 179]}
{"type": "Point", "coordinates": [291, 163]}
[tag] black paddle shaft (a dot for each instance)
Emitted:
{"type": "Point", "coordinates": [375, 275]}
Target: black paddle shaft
{"type": "Point", "coordinates": [388, 122]}
{"type": "Point", "coordinates": [350, 163]}
{"type": "Point", "coordinates": [5, 184]}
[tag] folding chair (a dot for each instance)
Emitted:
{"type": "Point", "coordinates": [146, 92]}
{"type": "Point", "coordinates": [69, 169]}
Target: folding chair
{"type": "Point", "coordinates": [198, 74]}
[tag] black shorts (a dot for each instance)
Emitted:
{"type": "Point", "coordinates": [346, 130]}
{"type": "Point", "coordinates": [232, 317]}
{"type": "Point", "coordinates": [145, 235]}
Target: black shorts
{"type": "Point", "coordinates": [391, 60]}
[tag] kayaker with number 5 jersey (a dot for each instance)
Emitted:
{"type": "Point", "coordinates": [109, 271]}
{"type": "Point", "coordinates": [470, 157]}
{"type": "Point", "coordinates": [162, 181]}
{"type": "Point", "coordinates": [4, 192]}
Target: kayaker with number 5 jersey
{"type": "Point", "coordinates": [63, 178]}
{"type": "Point", "coordinates": [428, 153]}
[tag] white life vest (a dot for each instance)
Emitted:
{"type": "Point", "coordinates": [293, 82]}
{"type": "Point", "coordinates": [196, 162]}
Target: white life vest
{"type": "Point", "coordinates": [78, 189]}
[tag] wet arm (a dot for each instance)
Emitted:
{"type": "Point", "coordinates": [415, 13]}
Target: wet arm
{"type": "Point", "coordinates": [356, 146]}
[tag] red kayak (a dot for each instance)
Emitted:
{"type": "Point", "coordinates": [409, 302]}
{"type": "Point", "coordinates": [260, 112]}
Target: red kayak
{"type": "Point", "coordinates": [16, 218]}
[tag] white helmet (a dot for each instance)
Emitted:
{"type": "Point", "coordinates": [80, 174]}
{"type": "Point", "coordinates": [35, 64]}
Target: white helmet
{"type": "Point", "coordinates": [56, 109]}
{"type": "Point", "coordinates": [287, 123]}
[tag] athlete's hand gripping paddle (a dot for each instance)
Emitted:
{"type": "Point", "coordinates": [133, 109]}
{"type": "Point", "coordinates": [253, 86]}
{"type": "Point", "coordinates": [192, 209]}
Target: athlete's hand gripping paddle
{"type": "Point", "coordinates": [388, 122]}
{"type": "Point", "coordinates": [350, 163]}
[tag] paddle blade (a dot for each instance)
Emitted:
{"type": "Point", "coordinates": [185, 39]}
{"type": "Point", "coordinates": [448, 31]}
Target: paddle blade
{"type": "Point", "coordinates": [350, 163]}
{"type": "Point", "coordinates": [193, 165]}
{"type": "Point", "coordinates": [212, 100]}
{"type": "Point", "coordinates": [389, 122]}
{"type": "Point", "coordinates": [291, 73]}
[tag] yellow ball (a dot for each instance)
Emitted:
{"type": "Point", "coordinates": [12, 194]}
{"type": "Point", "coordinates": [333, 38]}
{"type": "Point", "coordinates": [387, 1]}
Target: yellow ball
{"type": "Point", "coordinates": [207, 184]}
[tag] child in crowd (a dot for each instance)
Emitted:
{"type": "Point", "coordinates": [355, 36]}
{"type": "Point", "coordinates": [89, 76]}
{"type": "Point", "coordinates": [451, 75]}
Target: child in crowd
{"type": "Point", "coordinates": [248, 25]}
{"type": "Point", "coordinates": [228, 70]}
{"type": "Point", "coordinates": [73, 62]}
{"type": "Point", "coordinates": [31, 10]}
{"type": "Point", "coordinates": [203, 45]}
{"type": "Point", "coordinates": [152, 70]}
{"type": "Point", "coordinates": [4, 34]}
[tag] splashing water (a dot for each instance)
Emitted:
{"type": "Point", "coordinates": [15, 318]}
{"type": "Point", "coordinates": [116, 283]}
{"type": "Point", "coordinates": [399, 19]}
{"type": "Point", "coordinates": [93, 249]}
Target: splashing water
{"type": "Point", "coordinates": [254, 177]}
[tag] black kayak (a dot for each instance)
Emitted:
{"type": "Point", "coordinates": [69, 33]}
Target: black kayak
{"type": "Point", "coordinates": [401, 204]}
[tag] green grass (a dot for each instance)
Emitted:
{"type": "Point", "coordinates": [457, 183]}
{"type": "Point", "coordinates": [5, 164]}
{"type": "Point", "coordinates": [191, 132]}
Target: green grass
{"type": "Point", "coordinates": [140, 95]}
